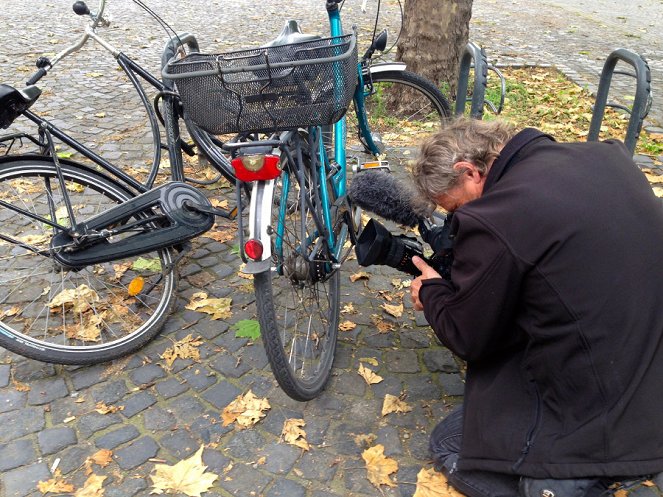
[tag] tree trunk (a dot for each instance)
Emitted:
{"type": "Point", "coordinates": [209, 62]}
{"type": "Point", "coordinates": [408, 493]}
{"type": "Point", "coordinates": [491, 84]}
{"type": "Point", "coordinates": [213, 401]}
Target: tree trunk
{"type": "Point", "coordinates": [434, 35]}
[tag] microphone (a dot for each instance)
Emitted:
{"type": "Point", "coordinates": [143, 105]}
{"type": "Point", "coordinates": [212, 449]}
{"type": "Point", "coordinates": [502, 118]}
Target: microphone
{"type": "Point", "coordinates": [380, 193]}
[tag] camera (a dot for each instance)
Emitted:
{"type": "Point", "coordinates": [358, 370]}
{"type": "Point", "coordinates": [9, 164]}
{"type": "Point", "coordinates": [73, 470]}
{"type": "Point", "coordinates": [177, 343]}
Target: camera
{"type": "Point", "coordinates": [376, 245]}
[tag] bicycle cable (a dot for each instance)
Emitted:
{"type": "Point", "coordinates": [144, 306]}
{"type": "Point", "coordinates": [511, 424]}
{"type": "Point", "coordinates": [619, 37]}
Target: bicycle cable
{"type": "Point", "coordinates": [170, 32]}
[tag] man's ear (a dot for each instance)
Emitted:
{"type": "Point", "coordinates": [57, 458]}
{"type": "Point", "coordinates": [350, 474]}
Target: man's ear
{"type": "Point", "coordinates": [470, 169]}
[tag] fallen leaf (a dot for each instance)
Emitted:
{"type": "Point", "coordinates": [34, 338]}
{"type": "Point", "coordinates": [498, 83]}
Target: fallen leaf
{"type": "Point", "coordinates": [144, 264]}
{"type": "Point", "coordinates": [221, 235]}
{"type": "Point", "coordinates": [369, 360]}
{"type": "Point", "coordinates": [92, 487]}
{"type": "Point", "coordinates": [246, 410]}
{"type": "Point", "coordinates": [247, 328]}
{"type": "Point", "coordinates": [393, 404]}
{"type": "Point", "coordinates": [347, 325]}
{"type": "Point", "coordinates": [55, 485]}
{"type": "Point", "coordinates": [186, 348]}
{"type": "Point", "coordinates": [102, 457]}
{"type": "Point", "coordinates": [365, 440]}
{"type": "Point", "coordinates": [381, 325]}
{"type": "Point", "coordinates": [12, 311]}
{"type": "Point", "coordinates": [394, 310]}
{"type": "Point", "coordinates": [78, 299]}
{"type": "Point", "coordinates": [430, 483]}
{"type": "Point", "coordinates": [379, 466]}
{"type": "Point", "coordinates": [361, 275]}
{"type": "Point", "coordinates": [187, 476]}
{"type": "Point", "coordinates": [294, 434]}
{"type": "Point", "coordinates": [368, 375]}
{"type": "Point", "coordinates": [102, 408]}
{"type": "Point", "coordinates": [217, 308]}
{"type": "Point", "coordinates": [349, 309]}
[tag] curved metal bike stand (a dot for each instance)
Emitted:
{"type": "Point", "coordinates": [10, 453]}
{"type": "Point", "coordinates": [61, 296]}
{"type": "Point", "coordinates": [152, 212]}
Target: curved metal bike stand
{"type": "Point", "coordinates": [472, 53]}
{"type": "Point", "coordinates": [641, 102]}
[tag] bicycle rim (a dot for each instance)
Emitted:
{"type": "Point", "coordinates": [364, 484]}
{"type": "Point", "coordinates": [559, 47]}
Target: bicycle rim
{"type": "Point", "coordinates": [298, 300]}
{"type": "Point", "coordinates": [83, 316]}
{"type": "Point", "coordinates": [402, 109]}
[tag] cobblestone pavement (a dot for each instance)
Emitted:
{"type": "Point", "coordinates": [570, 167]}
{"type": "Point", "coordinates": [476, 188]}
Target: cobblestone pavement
{"type": "Point", "coordinates": [47, 413]}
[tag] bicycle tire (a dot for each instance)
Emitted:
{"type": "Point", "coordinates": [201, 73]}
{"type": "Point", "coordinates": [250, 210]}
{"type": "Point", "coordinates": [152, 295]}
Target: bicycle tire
{"type": "Point", "coordinates": [402, 109]}
{"type": "Point", "coordinates": [55, 319]}
{"type": "Point", "coordinates": [298, 313]}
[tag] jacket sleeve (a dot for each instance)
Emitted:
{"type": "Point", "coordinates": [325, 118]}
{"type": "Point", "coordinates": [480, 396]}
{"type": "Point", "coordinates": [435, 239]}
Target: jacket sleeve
{"type": "Point", "coordinates": [474, 314]}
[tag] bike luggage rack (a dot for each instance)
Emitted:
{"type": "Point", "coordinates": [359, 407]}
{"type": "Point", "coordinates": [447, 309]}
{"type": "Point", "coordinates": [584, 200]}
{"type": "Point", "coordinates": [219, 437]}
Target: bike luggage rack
{"type": "Point", "coordinates": [641, 102]}
{"type": "Point", "coordinates": [473, 53]}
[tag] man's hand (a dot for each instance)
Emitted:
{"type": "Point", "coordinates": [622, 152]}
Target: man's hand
{"type": "Point", "coordinates": [427, 272]}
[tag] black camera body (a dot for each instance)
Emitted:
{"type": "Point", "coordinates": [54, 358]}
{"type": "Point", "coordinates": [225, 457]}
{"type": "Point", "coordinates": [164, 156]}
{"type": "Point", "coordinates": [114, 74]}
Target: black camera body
{"type": "Point", "coordinates": [376, 245]}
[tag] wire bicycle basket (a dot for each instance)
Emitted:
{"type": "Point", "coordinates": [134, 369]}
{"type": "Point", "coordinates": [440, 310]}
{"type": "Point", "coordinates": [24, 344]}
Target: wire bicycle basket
{"type": "Point", "coordinates": [282, 87]}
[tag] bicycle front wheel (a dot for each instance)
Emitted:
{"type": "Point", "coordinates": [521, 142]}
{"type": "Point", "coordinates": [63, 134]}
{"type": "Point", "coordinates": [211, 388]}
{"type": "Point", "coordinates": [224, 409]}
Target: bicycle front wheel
{"type": "Point", "coordinates": [71, 316]}
{"type": "Point", "coordinates": [402, 108]}
{"type": "Point", "coordinates": [298, 300]}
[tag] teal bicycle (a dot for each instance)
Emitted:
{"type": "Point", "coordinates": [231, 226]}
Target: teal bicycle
{"type": "Point", "coordinates": [286, 102]}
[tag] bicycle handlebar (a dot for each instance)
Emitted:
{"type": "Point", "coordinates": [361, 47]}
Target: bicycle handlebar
{"type": "Point", "coordinates": [80, 8]}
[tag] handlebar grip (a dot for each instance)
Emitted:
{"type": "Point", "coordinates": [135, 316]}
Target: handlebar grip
{"type": "Point", "coordinates": [36, 76]}
{"type": "Point", "coordinates": [81, 9]}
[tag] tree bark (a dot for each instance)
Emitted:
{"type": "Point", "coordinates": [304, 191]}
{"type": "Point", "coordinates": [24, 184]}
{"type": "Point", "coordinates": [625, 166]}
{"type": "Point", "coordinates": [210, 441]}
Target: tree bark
{"type": "Point", "coordinates": [434, 35]}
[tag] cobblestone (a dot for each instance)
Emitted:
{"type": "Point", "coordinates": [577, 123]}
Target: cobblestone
{"type": "Point", "coordinates": [169, 412]}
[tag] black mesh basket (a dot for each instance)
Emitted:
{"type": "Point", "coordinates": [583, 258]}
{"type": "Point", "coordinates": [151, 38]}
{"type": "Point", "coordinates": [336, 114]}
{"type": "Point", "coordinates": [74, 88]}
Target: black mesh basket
{"type": "Point", "coordinates": [268, 89]}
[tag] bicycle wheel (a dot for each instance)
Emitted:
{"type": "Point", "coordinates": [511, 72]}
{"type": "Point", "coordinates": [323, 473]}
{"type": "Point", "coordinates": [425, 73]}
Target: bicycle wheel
{"type": "Point", "coordinates": [402, 109]}
{"type": "Point", "coordinates": [298, 300]}
{"type": "Point", "coordinates": [82, 316]}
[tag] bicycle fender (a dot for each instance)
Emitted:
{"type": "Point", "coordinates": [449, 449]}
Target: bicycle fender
{"type": "Point", "coordinates": [260, 214]}
{"type": "Point", "coordinates": [387, 66]}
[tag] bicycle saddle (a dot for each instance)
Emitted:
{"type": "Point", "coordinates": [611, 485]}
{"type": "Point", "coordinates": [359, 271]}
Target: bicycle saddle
{"type": "Point", "coordinates": [14, 102]}
{"type": "Point", "coordinates": [291, 33]}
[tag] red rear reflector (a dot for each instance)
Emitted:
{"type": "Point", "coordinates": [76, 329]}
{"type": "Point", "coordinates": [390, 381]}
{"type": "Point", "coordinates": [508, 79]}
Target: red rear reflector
{"type": "Point", "coordinates": [253, 249]}
{"type": "Point", "coordinates": [257, 167]}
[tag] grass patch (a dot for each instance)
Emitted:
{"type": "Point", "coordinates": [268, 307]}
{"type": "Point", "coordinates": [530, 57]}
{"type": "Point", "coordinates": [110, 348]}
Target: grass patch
{"type": "Point", "coordinates": [543, 98]}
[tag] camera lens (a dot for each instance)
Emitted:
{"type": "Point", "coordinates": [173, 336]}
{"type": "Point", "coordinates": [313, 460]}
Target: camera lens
{"type": "Point", "coordinates": [377, 246]}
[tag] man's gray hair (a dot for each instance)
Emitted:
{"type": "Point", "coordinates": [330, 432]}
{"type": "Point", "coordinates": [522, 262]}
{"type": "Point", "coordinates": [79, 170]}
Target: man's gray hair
{"type": "Point", "coordinates": [462, 139]}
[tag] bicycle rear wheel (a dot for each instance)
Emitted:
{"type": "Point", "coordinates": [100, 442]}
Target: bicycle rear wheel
{"type": "Point", "coordinates": [66, 316]}
{"type": "Point", "coordinates": [402, 109]}
{"type": "Point", "coordinates": [298, 301]}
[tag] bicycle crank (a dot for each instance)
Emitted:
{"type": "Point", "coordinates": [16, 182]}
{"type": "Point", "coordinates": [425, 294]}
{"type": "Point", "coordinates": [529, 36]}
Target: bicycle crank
{"type": "Point", "coordinates": [163, 217]}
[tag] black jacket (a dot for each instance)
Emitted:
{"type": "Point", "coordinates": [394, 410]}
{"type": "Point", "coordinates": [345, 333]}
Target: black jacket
{"type": "Point", "coordinates": [556, 304]}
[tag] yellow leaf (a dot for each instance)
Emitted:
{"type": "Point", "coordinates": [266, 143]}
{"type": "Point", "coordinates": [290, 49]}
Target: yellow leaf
{"type": "Point", "coordinates": [102, 457]}
{"type": "Point", "coordinates": [430, 483]}
{"type": "Point", "coordinates": [379, 466]}
{"type": "Point", "coordinates": [394, 404]}
{"type": "Point", "coordinates": [369, 360]}
{"type": "Point", "coordinates": [217, 308]}
{"type": "Point", "coordinates": [92, 487]}
{"type": "Point", "coordinates": [368, 375]}
{"type": "Point", "coordinates": [294, 434]}
{"type": "Point", "coordinates": [347, 326]}
{"type": "Point", "coordinates": [621, 493]}
{"type": "Point", "coordinates": [394, 310]}
{"type": "Point", "coordinates": [187, 476]}
{"type": "Point", "coordinates": [186, 348]}
{"type": "Point", "coordinates": [361, 275]}
{"type": "Point", "coordinates": [654, 178]}
{"type": "Point", "coordinates": [348, 309]}
{"type": "Point", "coordinates": [79, 299]}
{"type": "Point", "coordinates": [102, 408]}
{"type": "Point", "coordinates": [246, 410]}
{"type": "Point", "coordinates": [55, 485]}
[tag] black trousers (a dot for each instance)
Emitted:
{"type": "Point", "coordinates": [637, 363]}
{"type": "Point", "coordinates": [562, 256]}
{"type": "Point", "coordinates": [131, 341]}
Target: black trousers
{"type": "Point", "coordinates": [445, 445]}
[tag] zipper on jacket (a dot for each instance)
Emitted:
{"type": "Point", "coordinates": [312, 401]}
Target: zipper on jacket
{"type": "Point", "coordinates": [529, 440]}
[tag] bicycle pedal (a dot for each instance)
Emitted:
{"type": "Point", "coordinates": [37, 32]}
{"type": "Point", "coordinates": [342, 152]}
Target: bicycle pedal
{"type": "Point", "coordinates": [375, 164]}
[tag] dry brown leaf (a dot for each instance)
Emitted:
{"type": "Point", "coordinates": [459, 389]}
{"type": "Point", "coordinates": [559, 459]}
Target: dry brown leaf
{"type": "Point", "coordinates": [347, 325]}
{"type": "Point", "coordinates": [221, 234]}
{"type": "Point", "coordinates": [381, 325]}
{"type": "Point", "coordinates": [400, 284]}
{"type": "Point", "coordinates": [186, 348]}
{"type": "Point", "coordinates": [102, 457]}
{"type": "Point", "coordinates": [12, 311]}
{"type": "Point", "coordinates": [217, 308]}
{"type": "Point", "coordinates": [55, 485]}
{"type": "Point", "coordinates": [378, 466]}
{"type": "Point", "coordinates": [368, 375]}
{"type": "Point", "coordinates": [361, 275]}
{"type": "Point", "coordinates": [294, 434]}
{"type": "Point", "coordinates": [246, 410]}
{"type": "Point", "coordinates": [365, 440]}
{"type": "Point", "coordinates": [394, 404]}
{"type": "Point", "coordinates": [654, 178]}
{"type": "Point", "coordinates": [77, 299]}
{"type": "Point", "coordinates": [394, 310]}
{"type": "Point", "coordinates": [349, 309]}
{"type": "Point", "coordinates": [187, 476]}
{"type": "Point", "coordinates": [102, 408]}
{"type": "Point", "coordinates": [92, 487]}
{"type": "Point", "coordinates": [430, 483]}
{"type": "Point", "coordinates": [88, 330]}
{"type": "Point", "coordinates": [621, 493]}
{"type": "Point", "coordinates": [658, 191]}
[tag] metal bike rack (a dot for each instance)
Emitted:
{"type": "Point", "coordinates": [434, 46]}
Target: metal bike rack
{"type": "Point", "coordinates": [472, 53]}
{"type": "Point", "coordinates": [641, 102]}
